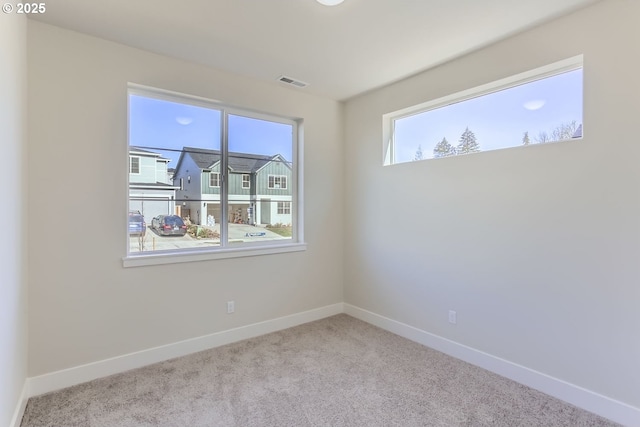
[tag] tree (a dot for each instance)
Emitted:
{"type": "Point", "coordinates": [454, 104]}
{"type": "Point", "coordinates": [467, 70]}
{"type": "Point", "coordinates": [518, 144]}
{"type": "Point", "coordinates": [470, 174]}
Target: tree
{"type": "Point", "coordinates": [559, 133]}
{"type": "Point", "coordinates": [564, 131]}
{"type": "Point", "coordinates": [468, 143]}
{"type": "Point", "coordinates": [543, 137]}
{"type": "Point", "coordinates": [525, 139]}
{"type": "Point", "coordinates": [443, 149]}
{"type": "Point", "coordinates": [418, 155]}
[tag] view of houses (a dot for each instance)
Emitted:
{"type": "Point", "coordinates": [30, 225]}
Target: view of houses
{"type": "Point", "coordinates": [151, 189]}
{"type": "Point", "coordinates": [260, 187]}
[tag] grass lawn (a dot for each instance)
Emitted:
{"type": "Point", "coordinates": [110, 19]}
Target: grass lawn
{"type": "Point", "coordinates": [282, 230]}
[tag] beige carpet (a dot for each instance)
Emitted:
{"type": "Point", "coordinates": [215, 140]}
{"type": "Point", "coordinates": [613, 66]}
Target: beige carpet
{"type": "Point", "coordinates": [337, 371]}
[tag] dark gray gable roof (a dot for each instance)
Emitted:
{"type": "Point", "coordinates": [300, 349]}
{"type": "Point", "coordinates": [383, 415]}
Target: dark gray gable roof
{"type": "Point", "coordinates": [203, 158]}
{"type": "Point", "coordinates": [238, 162]}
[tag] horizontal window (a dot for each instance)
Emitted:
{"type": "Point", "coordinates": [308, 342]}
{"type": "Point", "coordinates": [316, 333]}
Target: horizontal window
{"type": "Point", "coordinates": [540, 106]}
{"type": "Point", "coordinates": [205, 181]}
{"type": "Point", "coordinates": [278, 182]}
{"type": "Point", "coordinates": [284, 208]}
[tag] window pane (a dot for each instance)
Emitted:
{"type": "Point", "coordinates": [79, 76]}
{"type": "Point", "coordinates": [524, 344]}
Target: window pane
{"type": "Point", "coordinates": [193, 186]}
{"type": "Point", "coordinates": [134, 165]}
{"type": "Point", "coordinates": [261, 150]}
{"type": "Point", "coordinates": [177, 145]}
{"type": "Point", "coordinates": [539, 111]}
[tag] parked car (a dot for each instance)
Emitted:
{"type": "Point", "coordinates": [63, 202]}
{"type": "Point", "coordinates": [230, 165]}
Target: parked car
{"type": "Point", "coordinates": [137, 226]}
{"type": "Point", "coordinates": [169, 225]}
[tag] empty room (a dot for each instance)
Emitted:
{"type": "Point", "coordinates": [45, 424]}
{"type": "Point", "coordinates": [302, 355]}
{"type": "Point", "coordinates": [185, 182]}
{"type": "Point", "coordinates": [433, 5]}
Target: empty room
{"type": "Point", "coordinates": [320, 213]}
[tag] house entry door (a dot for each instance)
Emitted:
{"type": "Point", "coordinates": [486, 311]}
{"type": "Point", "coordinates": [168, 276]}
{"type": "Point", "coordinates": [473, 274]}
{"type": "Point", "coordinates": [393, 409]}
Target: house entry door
{"type": "Point", "coordinates": [265, 211]}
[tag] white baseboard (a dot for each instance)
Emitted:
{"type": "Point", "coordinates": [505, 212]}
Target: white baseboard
{"type": "Point", "coordinates": [614, 410]}
{"type": "Point", "coordinates": [16, 420]}
{"type": "Point", "coordinates": [79, 374]}
{"type": "Point", "coordinates": [593, 402]}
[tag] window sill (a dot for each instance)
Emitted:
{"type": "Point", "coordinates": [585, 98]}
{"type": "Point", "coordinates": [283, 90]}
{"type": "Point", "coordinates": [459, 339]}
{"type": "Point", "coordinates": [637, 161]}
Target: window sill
{"type": "Point", "coordinates": [185, 256]}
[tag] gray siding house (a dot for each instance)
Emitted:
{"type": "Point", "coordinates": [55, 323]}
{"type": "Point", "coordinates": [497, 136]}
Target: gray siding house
{"type": "Point", "coordinates": [150, 188]}
{"type": "Point", "coordinates": [260, 191]}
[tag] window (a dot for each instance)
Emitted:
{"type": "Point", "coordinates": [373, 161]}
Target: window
{"type": "Point", "coordinates": [277, 182]}
{"type": "Point", "coordinates": [214, 179]}
{"type": "Point", "coordinates": [536, 107]}
{"type": "Point", "coordinates": [284, 208]}
{"type": "Point", "coordinates": [220, 166]}
{"type": "Point", "coordinates": [134, 165]}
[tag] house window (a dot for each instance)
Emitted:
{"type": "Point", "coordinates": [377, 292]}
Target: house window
{"type": "Point", "coordinates": [284, 208]}
{"type": "Point", "coordinates": [278, 182]}
{"type": "Point", "coordinates": [536, 107]}
{"type": "Point", "coordinates": [134, 165]}
{"type": "Point", "coordinates": [214, 179]}
{"type": "Point", "coordinates": [191, 137]}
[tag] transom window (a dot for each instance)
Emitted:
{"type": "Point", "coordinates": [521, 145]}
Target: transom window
{"type": "Point", "coordinates": [278, 182]}
{"type": "Point", "coordinates": [537, 107]}
{"type": "Point", "coordinates": [186, 187]}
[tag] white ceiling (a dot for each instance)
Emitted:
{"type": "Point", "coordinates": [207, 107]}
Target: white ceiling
{"type": "Point", "coordinates": [340, 51]}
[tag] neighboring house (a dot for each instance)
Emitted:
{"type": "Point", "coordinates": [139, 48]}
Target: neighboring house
{"type": "Point", "coordinates": [260, 189]}
{"type": "Point", "coordinates": [578, 132]}
{"type": "Point", "coordinates": [150, 189]}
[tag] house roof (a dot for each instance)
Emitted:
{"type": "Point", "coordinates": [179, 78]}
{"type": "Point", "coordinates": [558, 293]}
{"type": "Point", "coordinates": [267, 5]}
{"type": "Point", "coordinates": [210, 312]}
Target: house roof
{"type": "Point", "coordinates": [159, 185]}
{"type": "Point", "coordinates": [578, 132]}
{"type": "Point", "coordinates": [138, 150]}
{"type": "Point", "coordinates": [153, 185]}
{"type": "Point", "coordinates": [238, 162]}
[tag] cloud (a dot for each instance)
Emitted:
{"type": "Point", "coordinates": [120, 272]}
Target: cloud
{"type": "Point", "coordinates": [534, 104]}
{"type": "Point", "coordinates": [184, 120]}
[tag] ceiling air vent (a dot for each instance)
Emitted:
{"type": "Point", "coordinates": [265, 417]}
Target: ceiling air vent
{"type": "Point", "coordinates": [292, 82]}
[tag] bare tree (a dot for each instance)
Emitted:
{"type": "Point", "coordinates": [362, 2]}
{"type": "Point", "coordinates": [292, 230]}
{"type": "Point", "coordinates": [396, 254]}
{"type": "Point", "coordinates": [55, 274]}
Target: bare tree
{"type": "Point", "coordinates": [543, 137]}
{"type": "Point", "coordinates": [559, 133]}
{"type": "Point", "coordinates": [564, 131]}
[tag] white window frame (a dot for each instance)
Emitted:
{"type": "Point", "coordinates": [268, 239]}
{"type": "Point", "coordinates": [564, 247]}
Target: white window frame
{"type": "Point", "coordinates": [283, 208]}
{"type": "Point", "coordinates": [388, 120]}
{"type": "Point", "coordinates": [215, 175]}
{"type": "Point", "coordinates": [246, 181]}
{"type": "Point", "coordinates": [225, 251]}
{"type": "Point", "coordinates": [280, 178]}
{"type": "Point", "coordinates": [131, 165]}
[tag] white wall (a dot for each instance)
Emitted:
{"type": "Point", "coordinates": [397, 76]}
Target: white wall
{"type": "Point", "coordinates": [84, 306]}
{"type": "Point", "coordinates": [536, 248]}
{"type": "Point", "coordinates": [13, 285]}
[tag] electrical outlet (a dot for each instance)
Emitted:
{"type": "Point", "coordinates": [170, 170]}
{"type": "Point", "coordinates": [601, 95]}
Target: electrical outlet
{"type": "Point", "coordinates": [452, 317]}
{"type": "Point", "coordinates": [231, 307]}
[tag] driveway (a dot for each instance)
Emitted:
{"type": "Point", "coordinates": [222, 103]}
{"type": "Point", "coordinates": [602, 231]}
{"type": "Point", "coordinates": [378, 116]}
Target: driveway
{"type": "Point", "coordinates": [238, 233]}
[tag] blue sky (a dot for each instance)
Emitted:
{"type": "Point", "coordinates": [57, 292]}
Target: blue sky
{"type": "Point", "coordinates": [498, 120]}
{"type": "Point", "coordinates": [162, 125]}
